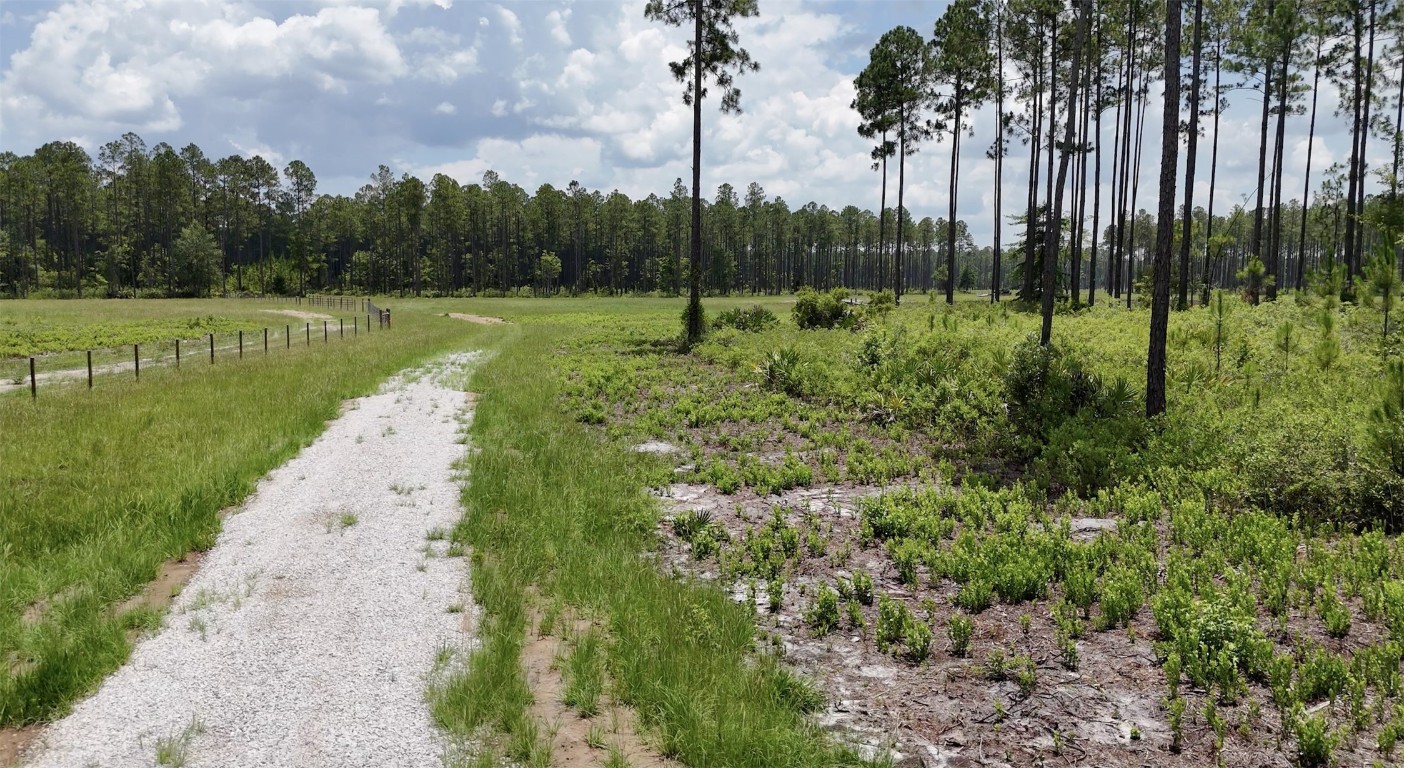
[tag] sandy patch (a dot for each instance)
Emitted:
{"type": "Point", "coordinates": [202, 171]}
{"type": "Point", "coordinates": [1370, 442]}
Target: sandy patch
{"type": "Point", "coordinates": [299, 314]}
{"type": "Point", "coordinates": [480, 319]}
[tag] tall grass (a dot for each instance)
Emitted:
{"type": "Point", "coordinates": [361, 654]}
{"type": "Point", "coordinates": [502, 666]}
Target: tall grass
{"type": "Point", "coordinates": [551, 510]}
{"type": "Point", "coordinates": [101, 487]}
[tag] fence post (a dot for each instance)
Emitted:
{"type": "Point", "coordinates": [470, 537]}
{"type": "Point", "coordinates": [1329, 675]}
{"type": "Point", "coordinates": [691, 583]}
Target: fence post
{"type": "Point", "coordinates": [368, 330]}
{"type": "Point", "coordinates": [265, 341]}
{"type": "Point", "coordinates": [325, 337]}
{"type": "Point", "coordinates": [177, 353]}
{"type": "Point", "coordinates": [241, 344]}
{"type": "Point", "coordinates": [308, 329]}
{"type": "Point", "coordinates": [287, 336]}
{"type": "Point", "coordinates": [212, 349]}
{"type": "Point", "coordinates": [355, 326]}
{"type": "Point", "coordinates": [342, 324]}
{"type": "Point", "coordinates": [136, 360]}
{"type": "Point", "coordinates": [34, 385]}
{"type": "Point", "coordinates": [90, 369]}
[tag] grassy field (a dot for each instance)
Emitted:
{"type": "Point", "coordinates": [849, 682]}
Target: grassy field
{"type": "Point", "coordinates": [59, 332]}
{"type": "Point", "coordinates": [919, 513]}
{"type": "Point", "coordinates": [102, 488]}
{"type": "Point", "coordinates": [1242, 550]}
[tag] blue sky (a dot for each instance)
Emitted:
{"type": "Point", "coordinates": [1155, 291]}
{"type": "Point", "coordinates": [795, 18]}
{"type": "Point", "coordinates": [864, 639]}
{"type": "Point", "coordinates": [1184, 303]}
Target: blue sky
{"type": "Point", "coordinates": [539, 91]}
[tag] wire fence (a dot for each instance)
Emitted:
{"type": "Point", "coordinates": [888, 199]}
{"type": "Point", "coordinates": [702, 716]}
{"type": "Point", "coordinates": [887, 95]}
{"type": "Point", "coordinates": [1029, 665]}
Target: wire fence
{"type": "Point", "coordinates": [79, 366]}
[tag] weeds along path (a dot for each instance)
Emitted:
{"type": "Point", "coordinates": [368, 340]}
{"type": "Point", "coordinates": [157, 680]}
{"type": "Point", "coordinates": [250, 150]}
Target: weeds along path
{"type": "Point", "coordinates": [309, 633]}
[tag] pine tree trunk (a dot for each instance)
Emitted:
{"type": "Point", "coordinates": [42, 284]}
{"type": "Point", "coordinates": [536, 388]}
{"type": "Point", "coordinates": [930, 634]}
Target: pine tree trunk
{"type": "Point", "coordinates": [1096, 181]}
{"type": "Point", "coordinates": [1213, 175]}
{"type": "Point", "coordinates": [1165, 225]}
{"type": "Point", "coordinates": [694, 297]}
{"type": "Point", "coordinates": [1306, 177]}
{"type": "Point", "coordinates": [1055, 209]}
{"type": "Point", "coordinates": [1191, 151]}
{"type": "Point", "coordinates": [1277, 266]}
{"type": "Point", "coordinates": [951, 218]}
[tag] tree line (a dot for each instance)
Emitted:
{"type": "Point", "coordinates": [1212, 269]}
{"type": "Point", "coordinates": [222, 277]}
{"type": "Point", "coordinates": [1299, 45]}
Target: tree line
{"type": "Point", "coordinates": [1069, 84]}
{"type": "Point", "coordinates": [156, 221]}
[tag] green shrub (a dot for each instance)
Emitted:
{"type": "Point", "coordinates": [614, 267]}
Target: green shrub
{"type": "Point", "coordinates": [783, 370]}
{"type": "Point", "coordinates": [891, 624]}
{"type": "Point", "coordinates": [1315, 741]}
{"type": "Point", "coordinates": [863, 587]}
{"type": "Point", "coordinates": [823, 615]}
{"type": "Point", "coordinates": [822, 310]}
{"type": "Point", "coordinates": [960, 631]}
{"type": "Point", "coordinates": [1387, 420]}
{"type": "Point", "coordinates": [753, 319]}
{"type": "Point", "coordinates": [917, 636]}
{"type": "Point", "coordinates": [1334, 614]}
{"type": "Point", "coordinates": [1121, 598]}
{"type": "Point", "coordinates": [975, 596]}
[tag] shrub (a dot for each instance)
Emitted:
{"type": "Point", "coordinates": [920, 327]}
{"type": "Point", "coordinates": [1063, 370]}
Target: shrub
{"type": "Point", "coordinates": [783, 370]}
{"type": "Point", "coordinates": [960, 630]}
{"type": "Point", "coordinates": [891, 623]}
{"type": "Point", "coordinates": [750, 320]}
{"type": "Point", "coordinates": [1387, 420]}
{"type": "Point", "coordinates": [1315, 740]}
{"type": "Point", "coordinates": [917, 636]}
{"type": "Point", "coordinates": [975, 595]}
{"type": "Point", "coordinates": [822, 310]}
{"type": "Point", "coordinates": [1121, 598]}
{"type": "Point", "coordinates": [863, 587]}
{"type": "Point", "coordinates": [823, 615]}
{"type": "Point", "coordinates": [1046, 388]}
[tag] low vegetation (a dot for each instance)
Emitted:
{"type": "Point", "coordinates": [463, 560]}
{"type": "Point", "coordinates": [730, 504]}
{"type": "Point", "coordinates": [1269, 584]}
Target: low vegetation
{"type": "Point", "coordinates": [102, 488]}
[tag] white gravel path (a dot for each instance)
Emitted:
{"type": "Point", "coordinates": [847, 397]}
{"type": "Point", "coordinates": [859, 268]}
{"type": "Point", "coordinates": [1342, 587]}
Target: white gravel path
{"type": "Point", "coordinates": [307, 637]}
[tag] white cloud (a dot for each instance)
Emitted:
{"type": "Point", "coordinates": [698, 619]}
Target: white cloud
{"type": "Point", "coordinates": [511, 24]}
{"type": "Point", "coordinates": [556, 23]}
{"type": "Point", "coordinates": [445, 108]}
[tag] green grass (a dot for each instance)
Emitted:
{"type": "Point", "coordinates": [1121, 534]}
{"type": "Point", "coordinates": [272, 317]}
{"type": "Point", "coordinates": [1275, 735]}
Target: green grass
{"type": "Point", "coordinates": [550, 507]}
{"type": "Point", "coordinates": [102, 487]}
{"type": "Point", "coordinates": [60, 332]}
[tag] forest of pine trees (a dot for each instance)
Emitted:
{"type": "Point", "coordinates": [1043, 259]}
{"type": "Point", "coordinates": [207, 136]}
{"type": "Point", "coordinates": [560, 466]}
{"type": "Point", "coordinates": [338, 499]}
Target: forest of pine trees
{"type": "Point", "coordinates": [1078, 81]}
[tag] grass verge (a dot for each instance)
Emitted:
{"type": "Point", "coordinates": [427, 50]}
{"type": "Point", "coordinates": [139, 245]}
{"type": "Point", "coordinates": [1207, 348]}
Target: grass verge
{"type": "Point", "coordinates": [103, 487]}
{"type": "Point", "coordinates": [552, 510]}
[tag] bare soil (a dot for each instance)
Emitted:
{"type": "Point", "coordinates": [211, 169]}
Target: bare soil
{"type": "Point", "coordinates": [568, 731]}
{"type": "Point", "coordinates": [946, 711]}
{"type": "Point", "coordinates": [479, 319]}
{"type": "Point", "coordinates": [299, 314]}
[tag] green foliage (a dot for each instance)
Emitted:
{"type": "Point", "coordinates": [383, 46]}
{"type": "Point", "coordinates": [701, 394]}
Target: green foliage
{"type": "Point", "coordinates": [960, 631]}
{"type": "Point", "coordinates": [823, 614]}
{"type": "Point", "coordinates": [783, 370]}
{"type": "Point", "coordinates": [829, 309]}
{"type": "Point", "coordinates": [753, 319]}
{"type": "Point", "coordinates": [1315, 741]}
{"type": "Point", "coordinates": [1084, 429]}
{"type": "Point", "coordinates": [1386, 421]}
{"type": "Point", "coordinates": [1255, 279]}
{"type": "Point", "coordinates": [863, 587]}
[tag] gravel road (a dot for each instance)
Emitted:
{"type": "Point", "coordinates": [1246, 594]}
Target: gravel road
{"type": "Point", "coordinates": [309, 632]}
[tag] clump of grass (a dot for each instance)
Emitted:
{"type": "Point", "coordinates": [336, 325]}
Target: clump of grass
{"type": "Point", "coordinates": [584, 675]}
{"type": "Point", "coordinates": [173, 751]}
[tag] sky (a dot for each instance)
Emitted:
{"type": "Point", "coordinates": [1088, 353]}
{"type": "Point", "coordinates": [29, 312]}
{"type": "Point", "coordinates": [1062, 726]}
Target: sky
{"type": "Point", "coordinates": [540, 91]}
